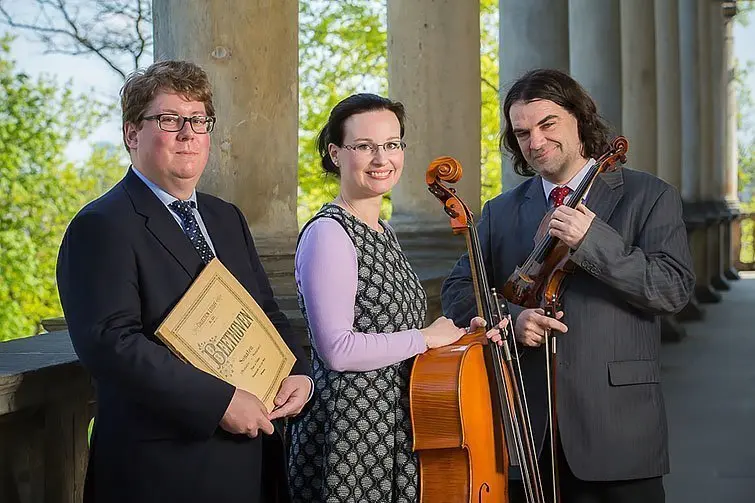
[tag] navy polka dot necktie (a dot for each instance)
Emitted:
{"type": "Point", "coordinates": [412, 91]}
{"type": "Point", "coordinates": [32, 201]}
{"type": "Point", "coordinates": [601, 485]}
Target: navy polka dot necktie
{"type": "Point", "coordinates": [191, 228]}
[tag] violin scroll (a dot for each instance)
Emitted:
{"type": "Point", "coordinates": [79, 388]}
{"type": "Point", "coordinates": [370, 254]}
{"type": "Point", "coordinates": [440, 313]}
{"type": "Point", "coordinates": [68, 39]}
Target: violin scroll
{"type": "Point", "coordinates": [617, 153]}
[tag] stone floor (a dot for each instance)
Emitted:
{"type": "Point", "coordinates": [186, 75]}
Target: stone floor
{"type": "Point", "coordinates": [709, 385]}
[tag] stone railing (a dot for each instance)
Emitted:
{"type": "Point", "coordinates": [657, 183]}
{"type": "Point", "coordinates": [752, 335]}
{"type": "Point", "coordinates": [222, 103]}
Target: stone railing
{"type": "Point", "coordinates": [46, 397]}
{"type": "Point", "coordinates": [45, 408]}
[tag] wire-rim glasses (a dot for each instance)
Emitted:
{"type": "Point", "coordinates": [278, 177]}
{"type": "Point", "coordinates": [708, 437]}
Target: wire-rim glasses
{"type": "Point", "coordinates": [366, 147]}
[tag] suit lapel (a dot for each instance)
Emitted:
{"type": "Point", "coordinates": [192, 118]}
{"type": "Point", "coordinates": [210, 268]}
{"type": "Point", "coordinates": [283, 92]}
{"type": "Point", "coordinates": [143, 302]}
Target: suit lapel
{"type": "Point", "coordinates": [531, 212]}
{"type": "Point", "coordinates": [162, 225]}
{"type": "Point", "coordinates": [605, 194]}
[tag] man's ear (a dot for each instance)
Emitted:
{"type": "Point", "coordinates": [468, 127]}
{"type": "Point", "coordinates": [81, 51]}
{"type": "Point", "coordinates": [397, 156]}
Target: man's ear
{"type": "Point", "coordinates": [130, 135]}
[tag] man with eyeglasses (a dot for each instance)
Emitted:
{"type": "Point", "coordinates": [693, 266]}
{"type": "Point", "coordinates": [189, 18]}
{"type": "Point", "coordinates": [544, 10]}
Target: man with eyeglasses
{"type": "Point", "coordinates": [166, 431]}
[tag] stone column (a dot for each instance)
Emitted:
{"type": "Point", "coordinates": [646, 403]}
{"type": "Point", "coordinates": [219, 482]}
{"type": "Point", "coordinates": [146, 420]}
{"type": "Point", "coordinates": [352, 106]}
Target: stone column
{"type": "Point", "coordinates": [668, 72]}
{"type": "Point", "coordinates": [716, 233]}
{"type": "Point", "coordinates": [534, 34]}
{"type": "Point", "coordinates": [669, 120]}
{"type": "Point", "coordinates": [249, 48]}
{"type": "Point", "coordinates": [694, 217]}
{"type": "Point", "coordinates": [689, 63]}
{"type": "Point", "coordinates": [639, 86]}
{"type": "Point", "coordinates": [731, 154]}
{"type": "Point", "coordinates": [594, 50]}
{"type": "Point", "coordinates": [704, 209]}
{"type": "Point", "coordinates": [710, 145]}
{"type": "Point", "coordinates": [434, 69]}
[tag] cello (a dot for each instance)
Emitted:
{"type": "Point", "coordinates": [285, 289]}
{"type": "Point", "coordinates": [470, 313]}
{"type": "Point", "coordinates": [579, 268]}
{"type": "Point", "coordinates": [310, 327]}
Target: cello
{"type": "Point", "coordinates": [539, 283]}
{"type": "Point", "coordinates": [468, 410]}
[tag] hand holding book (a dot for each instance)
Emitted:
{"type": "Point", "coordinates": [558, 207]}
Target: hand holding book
{"type": "Point", "coordinates": [219, 328]}
{"type": "Point", "coordinates": [246, 415]}
{"type": "Point", "coordinates": [291, 397]}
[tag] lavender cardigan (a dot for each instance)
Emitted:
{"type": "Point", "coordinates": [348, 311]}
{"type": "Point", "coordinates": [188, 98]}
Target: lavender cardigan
{"type": "Point", "coordinates": [326, 274]}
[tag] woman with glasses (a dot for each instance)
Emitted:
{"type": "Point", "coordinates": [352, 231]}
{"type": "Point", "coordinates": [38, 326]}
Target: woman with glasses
{"type": "Point", "coordinates": [365, 311]}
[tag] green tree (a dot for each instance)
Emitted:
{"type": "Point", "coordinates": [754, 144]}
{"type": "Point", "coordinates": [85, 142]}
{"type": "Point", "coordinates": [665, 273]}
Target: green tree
{"type": "Point", "coordinates": [342, 51]}
{"type": "Point", "coordinates": [39, 192]}
{"type": "Point", "coordinates": [746, 144]}
{"type": "Point", "coordinates": [491, 101]}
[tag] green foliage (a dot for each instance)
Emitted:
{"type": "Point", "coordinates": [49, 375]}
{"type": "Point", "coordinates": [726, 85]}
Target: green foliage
{"type": "Point", "coordinates": [747, 234]}
{"type": "Point", "coordinates": [343, 50]}
{"type": "Point", "coordinates": [746, 166]}
{"type": "Point", "coordinates": [744, 9]}
{"type": "Point", "coordinates": [746, 251]}
{"type": "Point", "coordinates": [39, 192]}
{"type": "Point", "coordinates": [491, 102]}
{"type": "Point", "coordinates": [746, 145]}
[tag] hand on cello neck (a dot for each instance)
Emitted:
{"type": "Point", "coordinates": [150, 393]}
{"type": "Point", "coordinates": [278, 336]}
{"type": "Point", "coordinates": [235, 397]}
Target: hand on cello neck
{"type": "Point", "coordinates": [443, 332]}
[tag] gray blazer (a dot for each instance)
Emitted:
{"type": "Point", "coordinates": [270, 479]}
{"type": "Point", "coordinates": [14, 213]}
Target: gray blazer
{"type": "Point", "coordinates": [634, 265]}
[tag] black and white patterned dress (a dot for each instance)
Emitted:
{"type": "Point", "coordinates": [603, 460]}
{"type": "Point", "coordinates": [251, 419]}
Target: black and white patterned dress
{"type": "Point", "coordinates": [354, 442]}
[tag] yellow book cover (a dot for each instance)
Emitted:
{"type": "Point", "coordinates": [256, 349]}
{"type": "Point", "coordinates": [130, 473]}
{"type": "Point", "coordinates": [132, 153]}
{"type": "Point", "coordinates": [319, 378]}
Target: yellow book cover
{"type": "Point", "coordinates": [219, 328]}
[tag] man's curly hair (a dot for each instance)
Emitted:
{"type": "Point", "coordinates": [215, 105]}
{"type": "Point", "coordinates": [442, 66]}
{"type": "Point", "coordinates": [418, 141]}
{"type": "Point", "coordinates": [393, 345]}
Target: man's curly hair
{"type": "Point", "coordinates": [561, 89]}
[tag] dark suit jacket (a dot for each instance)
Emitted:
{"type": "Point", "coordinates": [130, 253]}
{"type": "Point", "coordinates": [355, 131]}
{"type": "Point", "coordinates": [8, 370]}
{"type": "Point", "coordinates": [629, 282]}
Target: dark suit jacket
{"type": "Point", "coordinates": [123, 264]}
{"type": "Point", "coordinates": [634, 265]}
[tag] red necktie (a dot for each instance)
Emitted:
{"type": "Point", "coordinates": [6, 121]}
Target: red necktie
{"type": "Point", "coordinates": [558, 194]}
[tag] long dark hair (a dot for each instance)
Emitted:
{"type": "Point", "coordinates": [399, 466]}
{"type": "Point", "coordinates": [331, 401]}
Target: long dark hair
{"type": "Point", "coordinates": [333, 132]}
{"type": "Point", "coordinates": [561, 89]}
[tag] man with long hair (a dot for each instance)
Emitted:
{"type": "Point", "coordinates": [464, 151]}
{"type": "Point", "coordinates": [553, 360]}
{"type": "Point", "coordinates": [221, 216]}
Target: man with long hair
{"type": "Point", "coordinates": [629, 244]}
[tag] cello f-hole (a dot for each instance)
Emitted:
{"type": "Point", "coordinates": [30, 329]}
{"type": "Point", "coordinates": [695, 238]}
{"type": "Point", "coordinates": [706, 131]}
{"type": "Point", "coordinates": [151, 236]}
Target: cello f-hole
{"type": "Point", "coordinates": [484, 487]}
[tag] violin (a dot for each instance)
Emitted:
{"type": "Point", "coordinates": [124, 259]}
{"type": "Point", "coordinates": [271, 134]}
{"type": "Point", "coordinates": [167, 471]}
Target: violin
{"type": "Point", "coordinates": [540, 277]}
{"type": "Point", "coordinates": [469, 414]}
{"type": "Point", "coordinates": [539, 282]}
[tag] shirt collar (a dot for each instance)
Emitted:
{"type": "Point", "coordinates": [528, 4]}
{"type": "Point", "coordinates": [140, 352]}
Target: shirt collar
{"type": "Point", "coordinates": [573, 183]}
{"type": "Point", "coordinates": [161, 194]}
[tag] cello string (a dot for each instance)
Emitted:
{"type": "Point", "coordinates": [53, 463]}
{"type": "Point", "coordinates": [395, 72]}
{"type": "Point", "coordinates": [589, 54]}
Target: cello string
{"type": "Point", "coordinates": [528, 463]}
{"type": "Point", "coordinates": [484, 304]}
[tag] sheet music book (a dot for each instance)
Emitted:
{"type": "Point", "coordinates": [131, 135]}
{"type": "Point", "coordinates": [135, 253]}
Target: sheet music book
{"type": "Point", "coordinates": [219, 328]}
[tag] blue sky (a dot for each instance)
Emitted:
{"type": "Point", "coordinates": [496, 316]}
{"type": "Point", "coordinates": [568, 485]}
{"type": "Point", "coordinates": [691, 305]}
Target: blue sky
{"type": "Point", "coordinates": [92, 77]}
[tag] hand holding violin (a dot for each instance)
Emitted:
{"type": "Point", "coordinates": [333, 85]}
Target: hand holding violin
{"type": "Point", "coordinates": [570, 224]}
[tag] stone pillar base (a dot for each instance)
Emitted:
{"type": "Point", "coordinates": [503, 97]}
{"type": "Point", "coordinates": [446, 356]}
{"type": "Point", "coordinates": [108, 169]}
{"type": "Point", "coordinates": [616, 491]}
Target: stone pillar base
{"type": "Point", "coordinates": [731, 274]}
{"type": "Point", "coordinates": [280, 271]}
{"type": "Point", "coordinates": [719, 283]}
{"type": "Point", "coordinates": [410, 226]}
{"type": "Point", "coordinates": [693, 311]}
{"type": "Point", "coordinates": [696, 219]}
{"type": "Point", "coordinates": [706, 294]}
{"type": "Point", "coordinates": [671, 330]}
{"type": "Point", "coordinates": [432, 255]}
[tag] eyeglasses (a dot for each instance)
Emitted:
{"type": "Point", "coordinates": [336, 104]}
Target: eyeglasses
{"type": "Point", "coordinates": [366, 147]}
{"type": "Point", "coordinates": [173, 123]}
